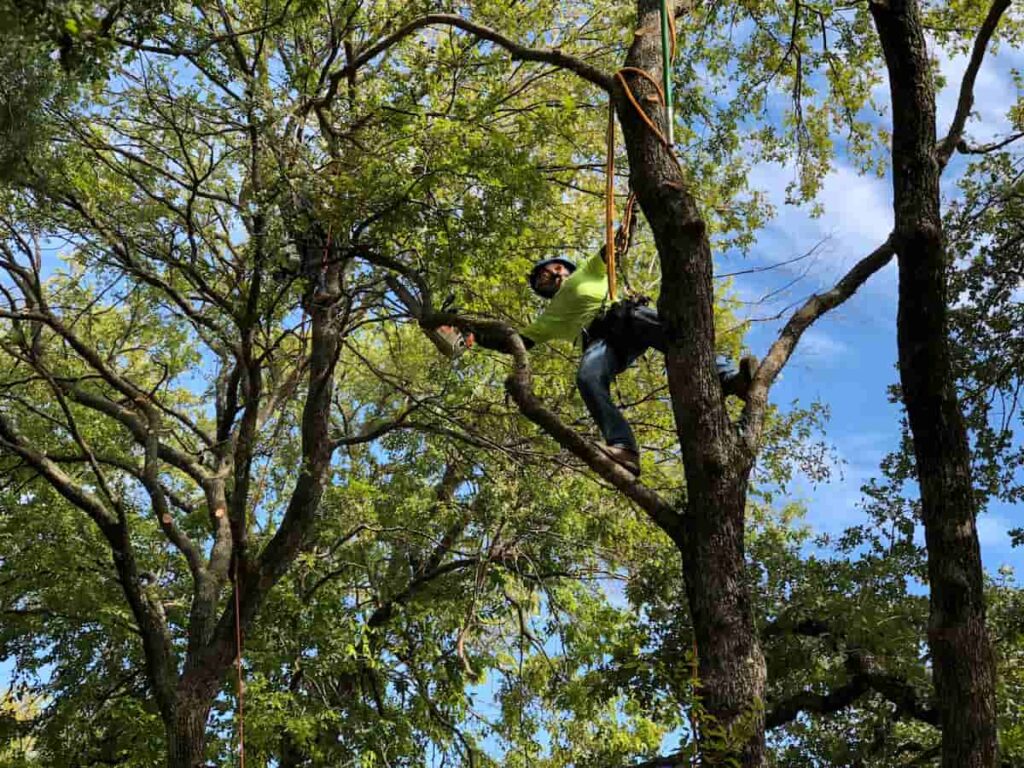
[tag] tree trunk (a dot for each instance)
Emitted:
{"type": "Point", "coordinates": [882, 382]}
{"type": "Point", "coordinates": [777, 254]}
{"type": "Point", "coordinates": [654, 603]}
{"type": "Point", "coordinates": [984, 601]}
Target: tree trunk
{"type": "Point", "coordinates": [731, 667]}
{"type": "Point", "coordinates": [186, 734]}
{"type": "Point", "coordinates": [962, 661]}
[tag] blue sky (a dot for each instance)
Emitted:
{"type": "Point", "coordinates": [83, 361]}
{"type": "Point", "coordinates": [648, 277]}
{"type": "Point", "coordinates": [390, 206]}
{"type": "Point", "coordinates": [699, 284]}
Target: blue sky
{"type": "Point", "coordinates": [848, 359]}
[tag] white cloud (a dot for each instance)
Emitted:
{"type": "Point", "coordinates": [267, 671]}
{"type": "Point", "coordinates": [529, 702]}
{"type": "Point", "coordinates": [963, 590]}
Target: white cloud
{"type": "Point", "coordinates": [857, 208]}
{"type": "Point", "coordinates": [857, 217]}
{"type": "Point", "coordinates": [993, 532]}
{"type": "Point", "coordinates": [822, 347]}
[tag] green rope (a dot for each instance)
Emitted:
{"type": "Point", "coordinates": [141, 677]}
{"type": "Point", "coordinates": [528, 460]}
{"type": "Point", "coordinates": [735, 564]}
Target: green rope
{"type": "Point", "coordinates": [666, 64]}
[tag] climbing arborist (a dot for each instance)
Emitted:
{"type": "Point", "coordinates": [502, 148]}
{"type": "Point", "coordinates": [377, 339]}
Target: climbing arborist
{"type": "Point", "coordinates": [613, 337]}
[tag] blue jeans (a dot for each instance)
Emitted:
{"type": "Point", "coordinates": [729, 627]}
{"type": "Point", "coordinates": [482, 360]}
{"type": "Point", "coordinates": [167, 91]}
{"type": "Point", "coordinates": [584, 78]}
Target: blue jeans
{"type": "Point", "coordinates": [602, 362]}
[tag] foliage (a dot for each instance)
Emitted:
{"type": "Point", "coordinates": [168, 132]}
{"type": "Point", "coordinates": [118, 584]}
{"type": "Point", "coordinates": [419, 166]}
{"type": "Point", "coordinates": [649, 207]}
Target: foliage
{"type": "Point", "coordinates": [466, 593]}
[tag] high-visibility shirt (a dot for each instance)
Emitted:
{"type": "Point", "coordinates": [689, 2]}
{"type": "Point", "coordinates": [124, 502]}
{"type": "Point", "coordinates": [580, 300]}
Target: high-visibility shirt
{"type": "Point", "coordinates": [577, 302]}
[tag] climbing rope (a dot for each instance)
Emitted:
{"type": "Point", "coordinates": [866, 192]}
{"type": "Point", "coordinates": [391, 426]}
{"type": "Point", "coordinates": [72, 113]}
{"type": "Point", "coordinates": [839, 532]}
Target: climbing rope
{"type": "Point", "coordinates": [664, 98]}
{"type": "Point", "coordinates": [609, 207]}
{"type": "Point", "coordinates": [668, 53]}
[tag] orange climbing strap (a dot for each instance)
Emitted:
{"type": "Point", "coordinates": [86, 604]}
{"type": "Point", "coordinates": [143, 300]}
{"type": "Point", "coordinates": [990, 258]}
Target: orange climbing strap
{"type": "Point", "coordinates": [668, 54]}
{"type": "Point", "coordinates": [609, 207]}
{"type": "Point", "coordinates": [610, 168]}
{"type": "Point", "coordinates": [624, 236]}
{"type": "Point", "coordinates": [636, 105]}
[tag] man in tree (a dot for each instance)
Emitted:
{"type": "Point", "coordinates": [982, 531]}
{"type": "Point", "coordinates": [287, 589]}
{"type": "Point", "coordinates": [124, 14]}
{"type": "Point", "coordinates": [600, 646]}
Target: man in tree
{"type": "Point", "coordinates": [613, 338]}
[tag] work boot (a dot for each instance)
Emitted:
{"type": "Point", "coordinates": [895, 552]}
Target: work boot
{"type": "Point", "coordinates": [625, 457]}
{"type": "Point", "coordinates": [739, 383]}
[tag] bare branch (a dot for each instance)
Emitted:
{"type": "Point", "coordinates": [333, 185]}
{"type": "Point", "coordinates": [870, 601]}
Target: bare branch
{"type": "Point", "coordinates": [780, 352]}
{"type": "Point", "coordinates": [966, 100]}
{"type": "Point", "coordinates": [371, 432]}
{"type": "Point", "coordinates": [966, 149]}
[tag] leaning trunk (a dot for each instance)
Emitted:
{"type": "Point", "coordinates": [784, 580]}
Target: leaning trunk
{"type": "Point", "coordinates": [731, 667]}
{"type": "Point", "coordinates": [962, 661]}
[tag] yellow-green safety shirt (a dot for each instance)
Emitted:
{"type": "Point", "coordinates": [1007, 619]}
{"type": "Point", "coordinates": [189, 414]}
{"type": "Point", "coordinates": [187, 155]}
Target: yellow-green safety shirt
{"type": "Point", "coordinates": [577, 302]}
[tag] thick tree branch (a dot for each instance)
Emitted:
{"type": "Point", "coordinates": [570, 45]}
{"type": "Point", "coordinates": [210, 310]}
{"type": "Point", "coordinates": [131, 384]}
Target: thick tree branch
{"type": "Point", "coordinates": [138, 429]}
{"type": "Point", "coordinates": [150, 479]}
{"type": "Point", "coordinates": [549, 56]}
{"type": "Point", "coordinates": [817, 703]}
{"type": "Point", "coordinates": [131, 393]}
{"type": "Point", "coordinates": [208, 663]}
{"type": "Point", "coordinates": [966, 99]}
{"type": "Point", "coordinates": [386, 610]}
{"type": "Point", "coordinates": [894, 689]}
{"type": "Point", "coordinates": [175, 535]}
{"type": "Point", "coordinates": [864, 675]}
{"type": "Point", "coordinates": [56, 477]}
{"type": "Point", "coordinates": [147, 611]}
{"type": "Point", "coordinates": [89, 355]}
{"type": "Point", "coordinates": [127, 467]}
{"type": "Point", "coordinates": [501, 337]}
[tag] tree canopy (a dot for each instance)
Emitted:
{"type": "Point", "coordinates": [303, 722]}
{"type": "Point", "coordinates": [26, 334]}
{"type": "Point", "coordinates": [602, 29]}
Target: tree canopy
{"type": "Point", "coordinates": [220, 418]}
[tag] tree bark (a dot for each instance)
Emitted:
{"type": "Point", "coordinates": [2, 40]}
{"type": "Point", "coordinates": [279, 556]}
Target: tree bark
{"type": "Point", "coordinates": [186, 733]}
{"type": "Point", "coordinates": [962, 660]}
{"type": "Point", "coordinates": [731, 666]}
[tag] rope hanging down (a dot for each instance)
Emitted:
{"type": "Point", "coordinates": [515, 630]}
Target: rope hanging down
{"type": "Point", "coordinates": [668, 53]}
{"type": "Point", "coordinates": [609, 206]}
